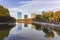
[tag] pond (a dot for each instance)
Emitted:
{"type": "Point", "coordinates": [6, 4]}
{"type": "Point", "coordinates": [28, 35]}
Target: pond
{"type": "Point", "coordinates": [30, 32]}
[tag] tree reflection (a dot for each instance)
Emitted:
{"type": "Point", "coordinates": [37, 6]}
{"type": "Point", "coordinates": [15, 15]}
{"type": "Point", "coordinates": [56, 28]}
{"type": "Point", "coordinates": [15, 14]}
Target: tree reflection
{"type": "Point", "coordinates": [37, 27]}
{"type": "Point", "coordinates": [48, 32]}
{"type": "Point", "coordinates": [57, 31]}
{"type": "Point", "coordinates": [4, 30]}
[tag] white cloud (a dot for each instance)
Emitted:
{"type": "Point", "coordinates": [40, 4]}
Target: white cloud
{"type": "Point", "coordinates": [36, 6]}
{"type": "Point", "coordinates": [13, 14]}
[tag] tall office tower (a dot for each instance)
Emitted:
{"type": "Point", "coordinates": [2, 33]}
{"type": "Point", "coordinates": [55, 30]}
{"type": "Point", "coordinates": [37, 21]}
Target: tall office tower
{"type": "Point", "coordinates": [25, 16]}
{"type": "Point", "coordinates": [19, 15]}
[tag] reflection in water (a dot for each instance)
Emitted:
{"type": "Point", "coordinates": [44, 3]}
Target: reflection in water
{"type": "Point", "coordinates": [25, 25]}
{"type": "Point", "coordinates": [48, 32]}
{"type": "Point", "coordinates": [4, 30]}
{"type": "Point", "coordinates": [35, 32]}
{"type": "Point", "coordinates": [57, 31]}
{"type": "Point", "coordinates": [15, 37]}
{"type": "Point", "coordinates": [37, 27]}
{"type": "Point", "coordinates": [19, 26]}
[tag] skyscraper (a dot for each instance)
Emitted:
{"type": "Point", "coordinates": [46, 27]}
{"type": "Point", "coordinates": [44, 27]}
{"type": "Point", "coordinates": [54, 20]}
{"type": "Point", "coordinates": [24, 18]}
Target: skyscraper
{"type": "Point", "coordinates": [19, 15]}
{"type": "Point", "coordinates": [25, 16]}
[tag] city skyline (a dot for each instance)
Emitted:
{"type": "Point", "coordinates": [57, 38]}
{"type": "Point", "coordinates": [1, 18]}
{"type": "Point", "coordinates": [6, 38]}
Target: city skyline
{"type": "Point", "coordinates": [30, 6]}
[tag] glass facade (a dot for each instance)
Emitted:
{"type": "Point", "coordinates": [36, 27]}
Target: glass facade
{"type": "Point", "coordinates": [25, 16]}
{"type": "Point", "coordinates": [19, 15]}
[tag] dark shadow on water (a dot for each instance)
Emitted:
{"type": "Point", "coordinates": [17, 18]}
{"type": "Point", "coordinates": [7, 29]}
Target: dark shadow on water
{"type": "Point", "coordinates": [4, 30]}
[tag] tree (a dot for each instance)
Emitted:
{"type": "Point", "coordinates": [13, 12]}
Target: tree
{"type": "Point", "coordinates": [47, 16]}
{"type": "Point", "coordinates": [37, 17]}
{"type": "Point", "coordinates": [5, 15]}
{"type": "Point", "coordinates": [57, 15]}
{"type": "Point", "coordinates": [4, 11]}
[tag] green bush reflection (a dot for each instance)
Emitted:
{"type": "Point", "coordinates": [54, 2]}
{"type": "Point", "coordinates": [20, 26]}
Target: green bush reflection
{"type": "Point", "coordinates": [48, 32]}
{"type": "Point", "coordinates": [4, 31]}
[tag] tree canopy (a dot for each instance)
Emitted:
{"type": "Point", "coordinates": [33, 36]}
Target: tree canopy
{"type": "Point", "coordinates": [48, 16]}
{"type": "Point", "coordinates": [4, 11]}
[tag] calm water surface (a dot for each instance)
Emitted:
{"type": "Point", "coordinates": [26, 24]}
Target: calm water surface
{"type": "Point", "coordinates": [32, 32]}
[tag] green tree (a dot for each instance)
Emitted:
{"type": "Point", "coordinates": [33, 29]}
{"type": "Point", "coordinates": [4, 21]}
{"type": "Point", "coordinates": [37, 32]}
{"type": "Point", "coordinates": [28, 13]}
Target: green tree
{"type": "Point", "coordinates": [47, 15]}
{"type": "Point", "coordinates": [37, 17]}
{"type": "Point", "coordinates": [4, 11]}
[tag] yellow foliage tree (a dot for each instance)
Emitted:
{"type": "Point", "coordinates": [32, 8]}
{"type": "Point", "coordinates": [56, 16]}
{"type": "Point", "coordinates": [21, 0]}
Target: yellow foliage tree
{"type": "Point", "coordinates": [4, 11]}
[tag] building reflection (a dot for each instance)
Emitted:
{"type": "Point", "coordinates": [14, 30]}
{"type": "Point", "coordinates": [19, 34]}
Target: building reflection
{"type": "Point", "coordinates": [25, 25]}
{"type": "Point", "coordinates": [19, 26]}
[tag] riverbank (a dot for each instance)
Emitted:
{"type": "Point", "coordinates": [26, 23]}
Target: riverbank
{"type": "Point", "coordinates": [49, 25]}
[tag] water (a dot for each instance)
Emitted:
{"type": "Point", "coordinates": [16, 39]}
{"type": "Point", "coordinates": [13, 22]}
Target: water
{"type": "Point", "coordinates": [32, 32]}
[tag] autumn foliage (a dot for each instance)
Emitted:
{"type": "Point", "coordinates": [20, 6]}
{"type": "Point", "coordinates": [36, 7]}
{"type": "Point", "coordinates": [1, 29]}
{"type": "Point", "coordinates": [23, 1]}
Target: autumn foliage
{"type": "Point", "coordinates": [48, 16]}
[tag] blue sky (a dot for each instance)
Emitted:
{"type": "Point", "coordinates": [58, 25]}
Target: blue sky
{"type": "Point", "coordinates": [15, 3]}
{"type": "Point", "coordinates": [30, 6]}
{"type": "Point", "coordinates": [11, 3]}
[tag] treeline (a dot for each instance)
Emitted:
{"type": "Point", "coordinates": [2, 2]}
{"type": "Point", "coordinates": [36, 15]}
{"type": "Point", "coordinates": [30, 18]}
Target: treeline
{"type": "Point", "coordinates": [48, 16]}
{"type": "Point", "coordinates": [5, 15]}
{"type": "Point", "coordinates": [5, 19]}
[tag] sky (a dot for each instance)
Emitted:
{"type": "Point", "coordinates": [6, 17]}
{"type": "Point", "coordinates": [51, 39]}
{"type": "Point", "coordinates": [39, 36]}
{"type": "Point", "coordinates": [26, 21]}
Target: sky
{"type": "Point", "coordinates": [30, 6]}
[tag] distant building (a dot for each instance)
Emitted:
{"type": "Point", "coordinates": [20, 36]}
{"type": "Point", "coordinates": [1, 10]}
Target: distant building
{"type": "Point", "coordinates": [25, 16]}
{"type": "Point", "coordinates": [19, 15]}
{"type": "Point", "coordinates": [33, 15]}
